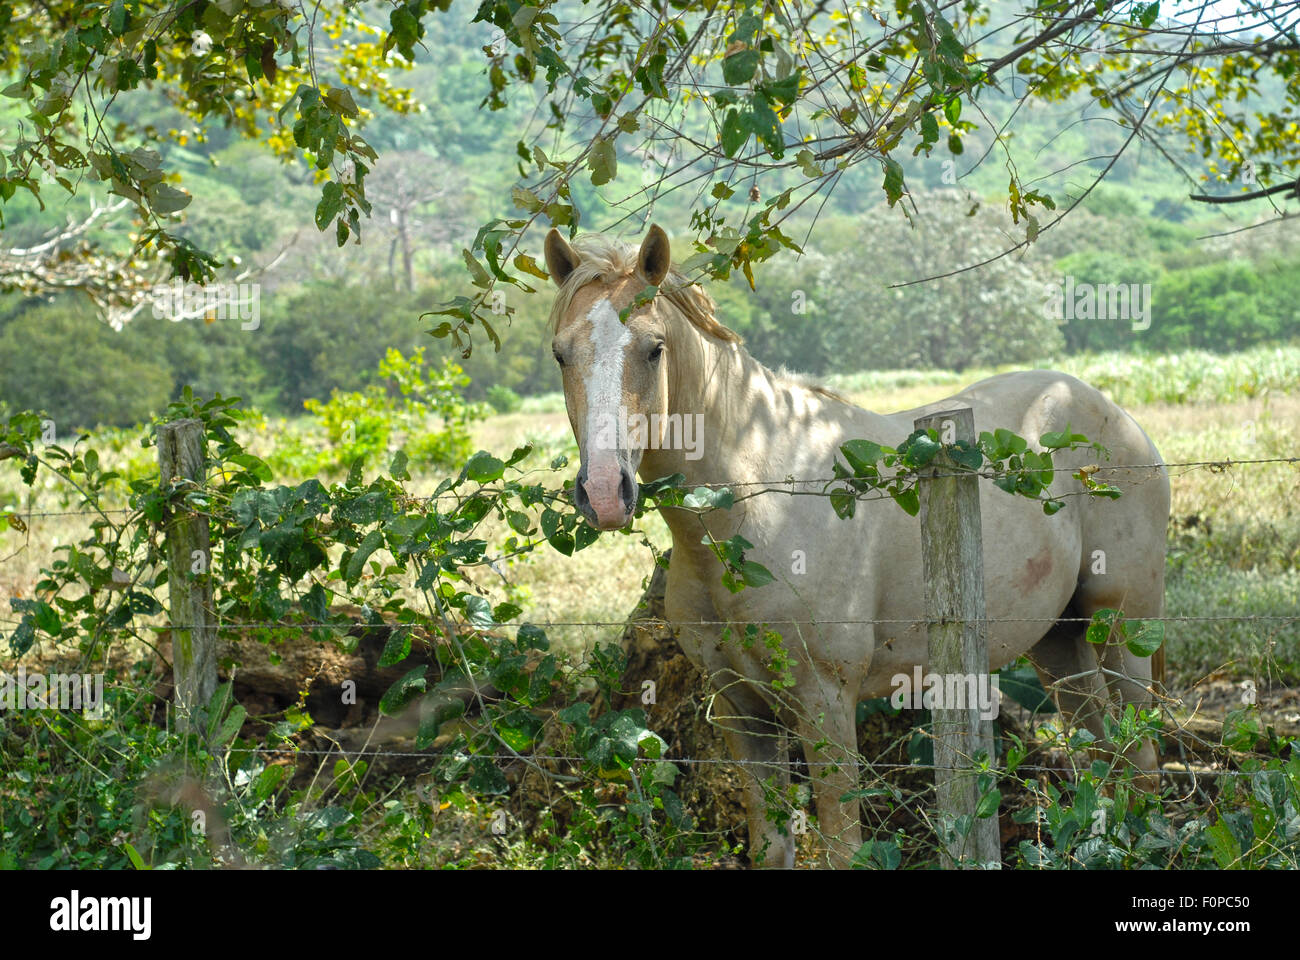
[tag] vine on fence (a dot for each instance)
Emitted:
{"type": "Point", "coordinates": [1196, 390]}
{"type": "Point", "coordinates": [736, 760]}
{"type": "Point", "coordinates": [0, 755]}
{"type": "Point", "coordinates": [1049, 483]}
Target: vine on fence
{"type": "Point", "coordinates": [297, 555]}
{"type": "Point", "coordinates": [1002, 456]}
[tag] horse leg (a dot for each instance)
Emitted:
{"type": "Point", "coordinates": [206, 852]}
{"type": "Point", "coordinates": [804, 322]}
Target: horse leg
{"type": "Point", "coordinates": [1073, 669]}
{"type": "Point", "coordinates": [828, 730]}
{"type": "Point", "coordinates": [1070, 670]}
{"type": "Point", "coordinates": [1128, 676]}
{"type": "Point", "coordinates": [1126, 571]}
{"type": "Point", "coordinates": [761, 749]}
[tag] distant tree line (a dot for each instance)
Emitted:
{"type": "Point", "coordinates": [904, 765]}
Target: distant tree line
{"type": "Point", "coordinates": [822, 313]}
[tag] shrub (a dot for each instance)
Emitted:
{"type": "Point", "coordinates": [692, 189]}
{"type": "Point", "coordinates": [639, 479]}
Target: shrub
{"type": "Point", "coordinates": [503, 399]}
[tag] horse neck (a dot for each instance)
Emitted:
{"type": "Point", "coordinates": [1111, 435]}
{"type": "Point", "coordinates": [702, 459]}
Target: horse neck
{"type": "Point", "coordinates": [730, 395]}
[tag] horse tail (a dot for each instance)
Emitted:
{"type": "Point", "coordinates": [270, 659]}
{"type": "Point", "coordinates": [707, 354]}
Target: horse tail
{"type": "Point", "coordinates": [1158, 669]}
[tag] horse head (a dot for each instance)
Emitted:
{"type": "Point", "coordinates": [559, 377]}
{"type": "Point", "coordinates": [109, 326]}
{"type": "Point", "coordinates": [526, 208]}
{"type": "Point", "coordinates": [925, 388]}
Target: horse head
{"type": "Point", "coordinates": [613, 365]}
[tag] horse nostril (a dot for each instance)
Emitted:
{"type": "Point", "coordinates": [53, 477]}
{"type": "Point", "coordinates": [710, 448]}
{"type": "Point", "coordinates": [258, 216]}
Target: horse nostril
{"type": "Point", "coordinates": [627, 488]}
{"type": "Point", "coordinates": [580, 498]}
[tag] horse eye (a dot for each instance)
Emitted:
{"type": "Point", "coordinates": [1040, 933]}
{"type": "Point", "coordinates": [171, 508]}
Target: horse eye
{"type": "Point", "coordinates": [656, 353]}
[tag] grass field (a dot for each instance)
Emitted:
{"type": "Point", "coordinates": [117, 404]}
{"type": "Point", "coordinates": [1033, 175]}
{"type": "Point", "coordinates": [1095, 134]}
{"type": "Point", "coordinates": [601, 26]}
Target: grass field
{"type": "Point", "coordinates": [1234, 539]}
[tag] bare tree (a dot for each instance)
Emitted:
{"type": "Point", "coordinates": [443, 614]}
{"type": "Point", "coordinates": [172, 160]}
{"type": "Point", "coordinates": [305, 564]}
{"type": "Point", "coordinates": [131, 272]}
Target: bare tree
{"type": "Point", "coordinates": [402, 187]}
{"type": "Point", "coordinates": [65, 259]}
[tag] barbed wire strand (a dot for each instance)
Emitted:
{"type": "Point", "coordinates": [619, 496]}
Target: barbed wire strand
{"type": "Point", "coordinates": [701, 761]}
{"type": "Point", "coordinates": [657, 622]}
{"type": "Point", "coordinates": [773, 486]}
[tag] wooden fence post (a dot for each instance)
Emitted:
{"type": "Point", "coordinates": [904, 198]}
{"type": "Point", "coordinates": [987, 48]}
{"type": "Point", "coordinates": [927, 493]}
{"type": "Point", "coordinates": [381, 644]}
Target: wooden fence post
{"type": "Point", "coordinates": [182, 455]}
{"type": "Point", "coordinates": [953, 562]}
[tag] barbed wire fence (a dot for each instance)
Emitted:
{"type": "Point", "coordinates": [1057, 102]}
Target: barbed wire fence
{"type": "Point", "coordinates": [875, 769]}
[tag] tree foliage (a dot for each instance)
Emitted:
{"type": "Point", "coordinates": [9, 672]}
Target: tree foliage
{"type": "Point", "coordinates": [767, 106]}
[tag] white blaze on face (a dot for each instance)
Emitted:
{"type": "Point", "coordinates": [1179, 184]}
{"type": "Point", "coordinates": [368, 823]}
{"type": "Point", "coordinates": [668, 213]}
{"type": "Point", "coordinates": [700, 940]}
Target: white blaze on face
{"type": "Point", "coordinates": [604, 381]}
{"type": "Point", "coordinates": [604, 389]}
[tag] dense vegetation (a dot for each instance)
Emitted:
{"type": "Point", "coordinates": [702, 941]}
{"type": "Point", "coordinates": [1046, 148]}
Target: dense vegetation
{"type": "Point", "coordinates": [346, 480]}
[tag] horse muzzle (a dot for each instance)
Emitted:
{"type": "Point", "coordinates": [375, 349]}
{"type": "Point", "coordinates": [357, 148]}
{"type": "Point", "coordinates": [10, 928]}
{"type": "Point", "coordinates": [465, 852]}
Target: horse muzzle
{"type": "Point", "coordinates": [605, 494]}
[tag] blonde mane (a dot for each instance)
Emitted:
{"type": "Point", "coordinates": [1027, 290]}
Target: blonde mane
{"type": "Point", "coordinates": [606, 259]}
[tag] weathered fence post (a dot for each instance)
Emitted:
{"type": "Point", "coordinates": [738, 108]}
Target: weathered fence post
{"type": "Point", "coordinates": [953, 562]}
{"type": "Point", "coordinates": [181, 456]}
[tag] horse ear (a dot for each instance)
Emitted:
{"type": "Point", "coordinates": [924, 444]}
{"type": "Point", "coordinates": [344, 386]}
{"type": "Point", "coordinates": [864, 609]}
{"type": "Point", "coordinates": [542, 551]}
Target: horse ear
{"type": "Point", "coordinates": [561, 259]}
{"type": "Point", "coordinates": [654, 258]}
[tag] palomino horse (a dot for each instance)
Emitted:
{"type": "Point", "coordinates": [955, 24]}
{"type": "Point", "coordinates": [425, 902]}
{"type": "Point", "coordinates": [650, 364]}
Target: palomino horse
{"type": "Point", "coordinates": [672, 358]}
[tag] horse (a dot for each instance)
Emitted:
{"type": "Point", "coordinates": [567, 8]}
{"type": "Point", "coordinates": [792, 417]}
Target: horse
{"type": "Point", "coordinates": [847, 594]}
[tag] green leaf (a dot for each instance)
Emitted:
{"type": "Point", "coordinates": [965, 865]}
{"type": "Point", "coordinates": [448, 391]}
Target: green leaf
{"type": "Point", "coordinates": [267, 781]}
{"type": "Point", "coordinates": [340, 100]}
{"type": "Point", "coordinates": [584, 535]}
{"type": "Point", "coordinates": [46, 618]}
{"type": "Point", "coordinates": [485, 778]}
{"type": "Point", "coordinates": [403, 691]}
{"type": "Point", "coordinates": [530, 636]}
{"type": "Point", "coordinates": [1241, 729]}
{"type": "Point", "coordinates": [396, 648]}
{"type": "Point", "coordinates": [165, 199]}
{"type": "Point", "coordinates": [1103, 621]}
{"type": "Point", "coordinates": [603, 161]}
{"type": "Point", "coordinates": [908, 500]}
{"type": "Point", "coordinates": [736, 128]}
{"type": "Point", "coordinates": [706, 498]}
{"type": "Point", "coordinates": [877, 855]}
{"type": "Point", "coordinates": [575, 714]}
{"type": "Point", "coordinates": [920, 449]}
{"type": "Point", "coordinates": [1008, 443]}
{"type": "Point", "coordinates": [844, 503]}
{"type": "Point", "coordinates": [134, 856]}
{"type": "Point", "coordinates": [739, 68]}
{"type": "Point", "coordinates": [484, 468]}
{"type": "Point", "coordinates": [747, 27]}
{"type": "Point", "coordinates": [1223, 845]}
{"type": "Point", "coordinates": [929, 128]}
{"type": "Point", "coordinates": [398, 467]}
{"type": "Point", "coordinates": [1144, 637]}
{"type": "Point", "coordinates": [967, 454]}
{"type": "Point", "coordinates": [326, 818]}
{"type": "Point", "coordinates": [646, 294]}
{"type": "Point", "coordinates": [230, 727]}
{"type": "Point", "coordinates": [893, 184]}
{"type": "Point", "coordinates": [357, 562]}
{"type": "Point", "coordinates": [988, 805]}
{"type": "Point", "coordinates": [221, 699]}
{"type": "Point", "coordinates": [563, 542]}
{"type": "Point", "coordinates": [254, 465]}
{"type": "Point", "coordinates": [861, 455]}
{"type": "Point", "coordinates": [1022, 685]}
{"type": "Point", "coordinates": [478, 611]}
{"type": "Point", "coordinates": [767, 125]}
{"type": "Point", "coordinates": [806, 161]}
{"type": "Point", "coordinates": [785, 90]}
{"type": "Point", "coordinates": [755, 574]}
{"type": "Point", "coordinates": [117, 21]}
